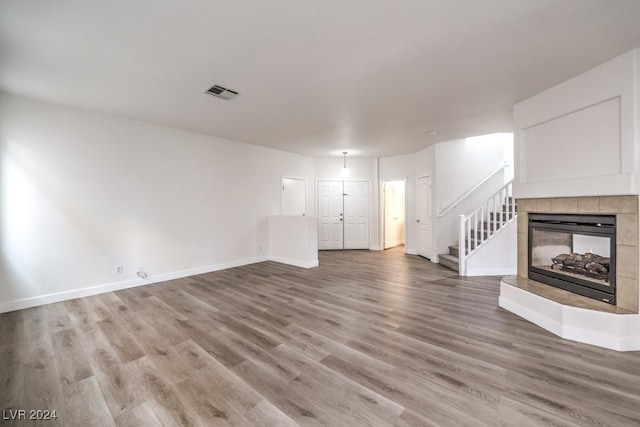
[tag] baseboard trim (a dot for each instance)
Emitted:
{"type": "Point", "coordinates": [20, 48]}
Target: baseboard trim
{"type": "Point", "coordinates": [295, 262]}
{"type": "Point", "coordinates": [21, 304]}
{"type": "Point", "coordinates": [492, 272]}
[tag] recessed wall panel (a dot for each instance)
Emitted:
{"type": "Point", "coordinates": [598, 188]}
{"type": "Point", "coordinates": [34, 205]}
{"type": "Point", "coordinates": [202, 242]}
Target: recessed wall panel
{"type": "Point", "coordinates": [584, 143]}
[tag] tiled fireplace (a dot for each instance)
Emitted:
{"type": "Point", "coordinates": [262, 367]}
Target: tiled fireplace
{"type": "Point", "coordinates": [625, 211]}
{"type": "Point", "coordinates": [568, 314]}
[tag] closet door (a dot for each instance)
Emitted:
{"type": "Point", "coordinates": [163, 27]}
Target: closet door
{"type": "Point", "coordinates": [330, 215]}
{"type": "Point", "coordinates": [294, 196]}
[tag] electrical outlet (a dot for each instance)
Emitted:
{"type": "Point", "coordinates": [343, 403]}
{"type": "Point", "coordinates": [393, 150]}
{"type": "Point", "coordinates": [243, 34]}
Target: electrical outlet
{"type": "Point", "coordinates": [119, 269]}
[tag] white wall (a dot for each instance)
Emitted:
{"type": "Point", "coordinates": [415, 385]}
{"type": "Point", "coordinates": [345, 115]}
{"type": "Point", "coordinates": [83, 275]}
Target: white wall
{"type": "Point", "coordinates": [294, 240]}
{"type": "Point", "coordinates": [461, 165]}
{"type": "Point", "coordinates": [582, 137]}
{"type": "Point", "coordinates": [455, 167]}
{"type": "Point", "coordinates": [498, 256]}
{"type": "Point", "coordinates": [82, 192]}
{"type": "Point", "coordinates": [409, 167]}
{"type": "Point", "coordinates": [425, 162]}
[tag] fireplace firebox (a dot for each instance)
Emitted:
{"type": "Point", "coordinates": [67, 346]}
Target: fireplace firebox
{"type": "Point", "coordinates": [575, 253]}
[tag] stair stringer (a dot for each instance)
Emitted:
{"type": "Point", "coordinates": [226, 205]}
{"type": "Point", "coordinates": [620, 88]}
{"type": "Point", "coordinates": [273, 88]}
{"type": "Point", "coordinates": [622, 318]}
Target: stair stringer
{"type": "Point", "coordinates": [480, 226]}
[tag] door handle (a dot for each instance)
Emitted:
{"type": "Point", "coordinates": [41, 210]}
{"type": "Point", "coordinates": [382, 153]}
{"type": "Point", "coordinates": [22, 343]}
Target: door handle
{"type": "Point", "coordinates": [417, 220]}
{"type": "Point", "coordinates": [340, 219]}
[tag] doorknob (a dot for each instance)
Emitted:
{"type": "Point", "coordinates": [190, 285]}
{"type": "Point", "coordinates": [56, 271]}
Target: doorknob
{"type": "Point", "coordinates": [340, 219]}
{"type": "Point", "coordinates": [417, 220]}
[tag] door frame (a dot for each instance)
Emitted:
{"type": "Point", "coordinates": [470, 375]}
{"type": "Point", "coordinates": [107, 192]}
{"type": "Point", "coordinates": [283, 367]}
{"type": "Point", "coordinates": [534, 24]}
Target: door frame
{"type": "Point", "coordinates": [317, 210]}
{"type": "Point", "coordinates": [369, 206]}
{"type": "Point", "coordinates": [418, 178]}
{"type": "Point", "coordinates": [368, 181]}
{"type": "Point", "coordinates": [297, 178]}
{"type": "Point", "coordinates": [382, 211]}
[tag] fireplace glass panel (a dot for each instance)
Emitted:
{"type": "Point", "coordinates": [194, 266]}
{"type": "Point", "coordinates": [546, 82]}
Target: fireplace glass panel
{"type": "Point", "coordinates": [575, 253]}
{"type": "Point", "coordinates": [572, 254]}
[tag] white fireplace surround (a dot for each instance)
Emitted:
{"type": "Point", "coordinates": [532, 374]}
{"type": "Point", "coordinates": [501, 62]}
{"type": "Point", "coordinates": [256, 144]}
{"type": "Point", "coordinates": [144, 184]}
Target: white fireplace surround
{"type": "Point", "coordinates": [577, 147]}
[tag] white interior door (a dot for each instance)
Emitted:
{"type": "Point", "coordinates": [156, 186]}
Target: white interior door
{"type": "Point", "coordinates": [343, 215]}
{"type": "Point", "coordinates": [356, 215]}
{"type": "Point", "coordinates": [424, 217]}
{"type": "Point", "coordinates": [330, 215]}
{"type": "Point", "coordinates": [294, 196]}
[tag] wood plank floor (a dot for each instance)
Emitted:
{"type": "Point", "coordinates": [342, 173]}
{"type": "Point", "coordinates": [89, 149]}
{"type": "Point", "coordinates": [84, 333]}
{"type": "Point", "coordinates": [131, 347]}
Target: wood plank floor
{"type": "Point", "coordinates": [366, 338]}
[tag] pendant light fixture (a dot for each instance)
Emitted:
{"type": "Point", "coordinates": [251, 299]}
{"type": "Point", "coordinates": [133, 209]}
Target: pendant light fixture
{"type": "Point", "coordinates": [345, 170]}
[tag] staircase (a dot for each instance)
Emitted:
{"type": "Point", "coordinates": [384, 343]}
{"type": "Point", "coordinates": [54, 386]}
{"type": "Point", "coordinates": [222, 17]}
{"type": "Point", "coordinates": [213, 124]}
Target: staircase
{"type": "Point", "coordinates": [451, 259]}
{"type": "Point", "coordinates": [479, 226]}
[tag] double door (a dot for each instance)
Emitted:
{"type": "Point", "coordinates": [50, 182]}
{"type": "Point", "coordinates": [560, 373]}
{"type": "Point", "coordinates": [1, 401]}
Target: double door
{"type": "Point", "coordinates": [343, 214]}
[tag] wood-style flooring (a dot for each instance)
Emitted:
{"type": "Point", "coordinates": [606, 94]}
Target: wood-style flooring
{"type": "Point", "coordinates": [366, 338]}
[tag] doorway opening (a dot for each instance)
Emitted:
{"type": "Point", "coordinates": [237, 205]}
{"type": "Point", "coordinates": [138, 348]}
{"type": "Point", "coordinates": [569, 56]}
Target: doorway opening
{"type": "Point", "coordinates": [343, 214]}
{"type": "Point", "coordinates": [393, 213]}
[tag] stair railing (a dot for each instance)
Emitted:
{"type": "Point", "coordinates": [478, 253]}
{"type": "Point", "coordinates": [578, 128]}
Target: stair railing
{"type": "Point", "coordinates": [479, 226]}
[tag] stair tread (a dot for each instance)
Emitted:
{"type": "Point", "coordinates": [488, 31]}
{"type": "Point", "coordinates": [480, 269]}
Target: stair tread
{"type": "Point", "coordinates": [449, 257]}
{"type": "Point", "coordinates": [449, 261]}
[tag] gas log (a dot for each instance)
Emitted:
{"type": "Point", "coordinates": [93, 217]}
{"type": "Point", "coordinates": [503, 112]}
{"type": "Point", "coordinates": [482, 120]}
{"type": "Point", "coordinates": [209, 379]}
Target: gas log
{"type": "Point", "coordinates": [588, 264]}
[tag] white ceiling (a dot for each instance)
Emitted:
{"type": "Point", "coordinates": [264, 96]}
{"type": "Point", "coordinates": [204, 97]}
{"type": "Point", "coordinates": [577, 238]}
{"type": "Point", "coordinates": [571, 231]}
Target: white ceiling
{"type": "Point", "coordinates": [373, 76]}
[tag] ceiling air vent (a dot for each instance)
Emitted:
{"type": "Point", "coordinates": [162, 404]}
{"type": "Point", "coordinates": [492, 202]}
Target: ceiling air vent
{"type": "Point", "coordinates": [221, 92]}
